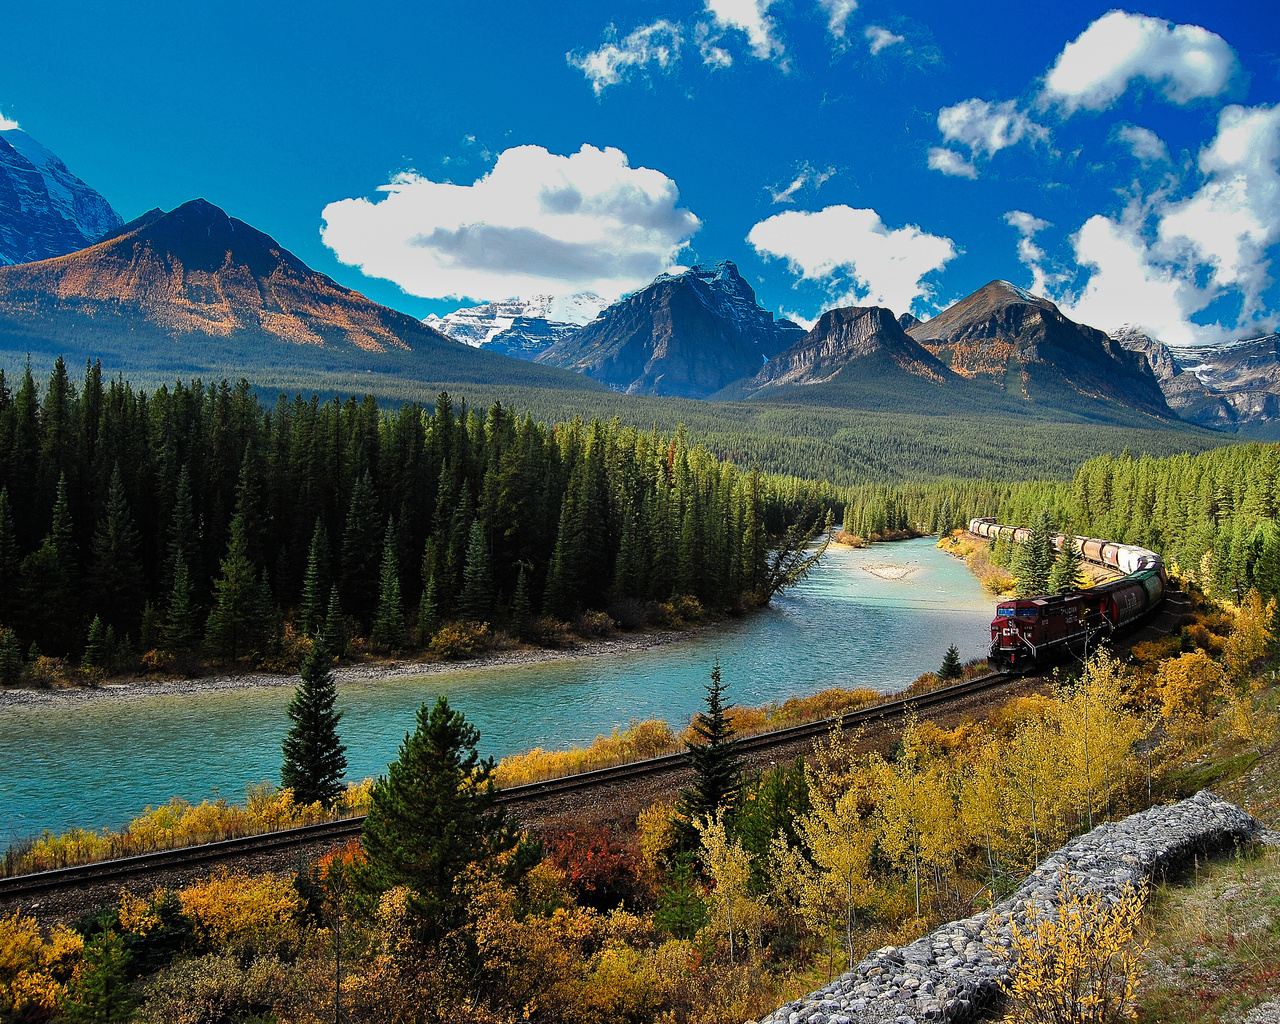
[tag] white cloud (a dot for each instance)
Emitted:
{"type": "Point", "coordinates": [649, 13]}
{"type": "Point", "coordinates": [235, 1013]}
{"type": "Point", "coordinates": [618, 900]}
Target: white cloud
{"type": "Point", "coordinates": [986, 128]}
{"type": "Point", "coordinates": [537, 222]}
{"type": "Point", "coordinates": [750, 17]}
{"type": "Point", "coordinates": [713, 56]}
{"type": "Point", "coordinates": [658, 44]}
{"type": "Point", "coordinates": [880, 38]}
{"type": "Point", "coordinates": [1166, 260]}
{"type": "Point", "coordinates": [1145, 144]}
{"type": "Point", "coordinates": [838, 12]}
{"type": "Point", "coordinates": [806, 174]}
{"type": "Point", "coordinates": [841, 246]}
{"type": "Point", "coordinates": [6, 125]}
{"type": "Point", "coordinates": [948, 161]}
{"type": "Point", "coordinates": [1029, 252]}
{"type": "Point", "coordinates": [1185, 61]}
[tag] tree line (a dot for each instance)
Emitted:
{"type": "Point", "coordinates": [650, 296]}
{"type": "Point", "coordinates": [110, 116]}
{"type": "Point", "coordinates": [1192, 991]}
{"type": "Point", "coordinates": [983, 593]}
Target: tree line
{"type": "Point", "coordinates": [1215, 515]}
{"type": "Point", "coordinates": [192, 518]}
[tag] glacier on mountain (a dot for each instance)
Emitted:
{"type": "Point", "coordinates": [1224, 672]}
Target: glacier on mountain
{"type": "Point", "coordinates": [519, 327]}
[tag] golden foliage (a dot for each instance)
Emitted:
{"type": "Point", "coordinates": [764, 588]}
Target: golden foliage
{"type": "Point", "coordinates": [1186, 684]}
{"type": "Point", "coordinates": [649, 738]}
{"type": "Point", "coordinates": [242, 911]}
{"type": "Point", "coordinates": [34, 971]}
{"type": "Point", "coordinates": [1080, 965]}
{"type": "Point", "coordinates": [455, 640]}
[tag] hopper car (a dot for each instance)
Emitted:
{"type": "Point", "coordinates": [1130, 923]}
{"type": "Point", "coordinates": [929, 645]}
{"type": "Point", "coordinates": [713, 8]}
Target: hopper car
{"type": "Point", "coordinates": [1034, 631]}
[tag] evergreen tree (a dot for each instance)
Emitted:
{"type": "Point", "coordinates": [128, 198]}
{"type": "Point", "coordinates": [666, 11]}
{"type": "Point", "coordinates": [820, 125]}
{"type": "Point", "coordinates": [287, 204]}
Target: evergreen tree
{"type": "Point", "coordinates": [477, 591]}
{"type": "Point", "coordinates": [182, 620]}
{"type": "Point", "coordinates": [62, 587]}
{"type": "Point", "coordinates": [428, 613]}
{"type": "Point", "coordinates": [335, 626]}
{"type": "Point", "coordinates": [1067, 573]}
{"type": "Point", "coordinates": [435, 813]}
{"type": "Point", "coordinates": [116, 581]}
{"type": "Point", "coordinates": [360, 552]}
{"type": "Point", "coordinates": [184, 540]}
{"type": "Point", "coordinates": [314, 760]}
{"type": "Point", "coordinates": [99, 992]}
{"type": "Point", "coordinates": [1034, 557]}
{"type": "Point", "coordinates": [388, 628]}
{"type": "Point", "coordinates": [95, 648]}
{"type": "Point", "coordinates": [234, 622]}
{"type": "Point", "coordinates": [9, 561]}
{"type": "Point", "coordinates": [10, 657]}
{"type": "Point", "coordinates": [315, 583]}
{"type": "Point", "coordinates": [521, 608]}
{"type": "Point", "coordinates": [715, 760]}
{"type": "Point", "coordinates": [951, 667]}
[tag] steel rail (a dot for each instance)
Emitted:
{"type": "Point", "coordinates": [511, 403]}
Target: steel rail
{"type": "Point", "coordinates": [187, 856]}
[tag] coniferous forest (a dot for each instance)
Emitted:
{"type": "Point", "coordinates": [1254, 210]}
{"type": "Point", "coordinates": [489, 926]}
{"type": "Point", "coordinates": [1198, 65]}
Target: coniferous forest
{"type": "Point", "coordinates": [193, 519]}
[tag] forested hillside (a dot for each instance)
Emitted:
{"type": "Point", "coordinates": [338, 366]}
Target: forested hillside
{"type": "Point", "coordinates": [1214, 514]}
{"type": "Point", "coordinates": [194, 518]}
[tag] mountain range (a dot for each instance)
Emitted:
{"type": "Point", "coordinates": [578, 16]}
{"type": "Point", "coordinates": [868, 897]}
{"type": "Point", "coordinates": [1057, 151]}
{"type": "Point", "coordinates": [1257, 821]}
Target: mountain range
{"type": "Point", "coordinates": [47, 210]}
{"type": "Point", "coordinates": [524, 328]}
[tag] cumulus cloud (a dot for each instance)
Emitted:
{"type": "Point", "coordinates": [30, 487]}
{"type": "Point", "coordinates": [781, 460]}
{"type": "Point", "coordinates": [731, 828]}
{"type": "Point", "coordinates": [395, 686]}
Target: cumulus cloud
{"type": "Point", "coordinates": [838, 12]}
{"type": "Point", "coordinates": [806, 175]}
{"type": "Point", "coordinates": [855, 252]}
{"type": "Point", "coordinates": [1143, 143]}
{"type": "Point", "coordinates": [948, 161]}
{"type": "Point", "coordinates": [880, 38]}
{"type": "Point", "coordinates": [1031, 255]}
{"type": "Point", "coordinates": [6, 125]}
{"type": "Point", "coordinates": [616, 60]}
{"type": "Point", "coordinates": [750, 17]}
{"type": "Point", "coordinates": [1165, 260]}
{"type": "Point", "coordinates": [1186, 62]}
{"type": "Point", "coordinates": [536, 222]}
{"type": "Point", "coordinates": [986, 128]}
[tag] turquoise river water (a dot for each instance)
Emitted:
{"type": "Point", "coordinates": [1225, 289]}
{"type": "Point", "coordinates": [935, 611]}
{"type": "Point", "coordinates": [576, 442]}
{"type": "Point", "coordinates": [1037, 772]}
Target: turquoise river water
{"type": "Point", "coordinates": [97, 763]}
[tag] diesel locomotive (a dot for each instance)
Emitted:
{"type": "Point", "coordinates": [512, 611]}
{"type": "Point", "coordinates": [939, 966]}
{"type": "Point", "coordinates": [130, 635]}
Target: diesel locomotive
{"type": "Point", "coordinates": [1034, 631]}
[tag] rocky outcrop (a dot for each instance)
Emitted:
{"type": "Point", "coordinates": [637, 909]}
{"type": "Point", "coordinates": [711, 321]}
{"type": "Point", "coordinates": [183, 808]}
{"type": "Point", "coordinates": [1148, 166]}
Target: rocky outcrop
{"type": "Point", "coordinates": [686, 335]}
{"type": "Point", "coordinates": [839, 341]}
{"type": "Point", "coordinates": [45, 210]}
{"type": "Point", "coordinates": [1023, 343]}
{"type": "Point", "coordinates": [952, 974]}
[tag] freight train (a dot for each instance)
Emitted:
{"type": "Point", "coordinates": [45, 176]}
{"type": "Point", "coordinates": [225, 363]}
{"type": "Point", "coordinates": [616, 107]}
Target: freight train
{"type": "Point", "coordinates": [1032, 631]}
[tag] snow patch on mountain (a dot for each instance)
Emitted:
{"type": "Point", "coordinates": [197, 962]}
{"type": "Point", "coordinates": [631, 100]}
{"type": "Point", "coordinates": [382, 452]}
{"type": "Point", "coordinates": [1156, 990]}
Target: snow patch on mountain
{"type": "Point", "coordinates": [45, 210]}
{"type": "Point", "coordinates": [519, 327]}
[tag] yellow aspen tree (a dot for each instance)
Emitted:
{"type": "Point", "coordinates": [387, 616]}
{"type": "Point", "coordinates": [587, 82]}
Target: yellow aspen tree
{"type": "Point", "coordinates": [1185, 685]}
{"type": "Point", "coordinates": [1034, 771]}
{"type": "Point", "coordinates": [984, 803]}
{"type": "Point", "coordinates": [729, 866]}
{"type": "Point", "coordinates": [1249, 637]}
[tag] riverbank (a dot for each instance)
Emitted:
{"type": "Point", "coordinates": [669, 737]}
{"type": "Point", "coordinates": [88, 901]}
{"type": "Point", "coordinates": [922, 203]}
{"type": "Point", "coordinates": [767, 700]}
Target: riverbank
{"type": "Point", "coordinates": [351, 674]}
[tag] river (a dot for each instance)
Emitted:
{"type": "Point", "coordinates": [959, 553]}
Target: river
{"type": "Point", "coordinates": [98, 763]}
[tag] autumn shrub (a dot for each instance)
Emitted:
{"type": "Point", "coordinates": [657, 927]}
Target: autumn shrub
{"type": "Point", "coordinates": [219, 987]}
{"type": "Point", "coordinates": [49, 673]}
{"type": "Point", "coordinates": [290, 651]}
{"type": "Point", "coordinates": [242, 912]}
{"type": "Point", "coordinates": [1186, 685]}
{"type": "Point", "coordinates": [592, 624]}
{"type": "Point", "coordinates": [157, 661]}
{"type": "Point", "coordinates": [657, 837]}
{"type": "Point", "coordinates": [34, 971]}
{"type": "Point", "coordinates": [456, 640]}
{"type": "Point", "coordinates": [640, 740]}
{"type": "Point", "coordinates": [601, 871]}
{"type": "Point", "coordinates": [1077, 964]}
{"type": "Point", "coordinates": [549, 632]}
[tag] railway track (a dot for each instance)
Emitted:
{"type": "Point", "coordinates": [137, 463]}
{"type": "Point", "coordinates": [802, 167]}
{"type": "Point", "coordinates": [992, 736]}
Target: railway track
{"type": "Point", "coordinates": [45, 881]}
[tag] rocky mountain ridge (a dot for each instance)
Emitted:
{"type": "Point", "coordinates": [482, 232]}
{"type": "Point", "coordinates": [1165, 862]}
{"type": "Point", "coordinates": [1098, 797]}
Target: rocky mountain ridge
{"type": "Point", "coordinates": [686, 335]}
{"type": "Point", "coordinates": [45, 210]}
{"type": "Point", "coordinates": [523, 328]}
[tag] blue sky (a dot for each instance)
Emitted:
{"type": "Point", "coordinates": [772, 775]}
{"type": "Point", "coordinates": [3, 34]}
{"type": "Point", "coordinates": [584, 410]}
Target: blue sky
{"type": "Point", "coordinates": [1124, 163]}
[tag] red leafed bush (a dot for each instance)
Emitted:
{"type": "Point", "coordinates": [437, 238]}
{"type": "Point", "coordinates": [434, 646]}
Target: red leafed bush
{"type": "Point", "coordinates": [601, 871]}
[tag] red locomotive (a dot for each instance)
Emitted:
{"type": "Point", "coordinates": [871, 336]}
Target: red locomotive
{"type": "Point", "coordinates": [1032, 631]}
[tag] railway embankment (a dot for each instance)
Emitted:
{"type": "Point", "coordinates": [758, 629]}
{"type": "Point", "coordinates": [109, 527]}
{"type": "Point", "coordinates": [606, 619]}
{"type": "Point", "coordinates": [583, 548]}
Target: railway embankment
{"type": "Point", "coordinates": [953, 974]}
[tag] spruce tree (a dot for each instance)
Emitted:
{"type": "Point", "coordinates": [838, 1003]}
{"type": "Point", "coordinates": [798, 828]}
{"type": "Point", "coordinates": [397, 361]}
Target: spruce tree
{"type": "Point", "coordinates": [360, 552]}
{"type": "Point", "coordinates": [184, 540]}
{"type": "Point", "coordinates": [315, 583]}
{"type": "Point", "coordinates": [116, 577]}
{"type": "Point", "coordinates": [314, 759]}
{"type": "Point", "coordinates": [428, 613]}
{"type": "Point", "coordinates": [1067, 573]}
{"type": "Point", "coordinates": [95, 648]}
{"type": "Point", "coordinates": [1033, 559]}
{"type": "Point", "coordinates": [10, 657]}
{"type": "Point", "coordinates": [715, 760]}
{"type": "Point", "coordinates": [477, 591]}
{"type": "Point", "coordinates": [388, 628]}
{"type": "Point", "coordinates": [9, 561]}
{"type": "Point", "coordinates": [62, 587]}
{"type": "Point", "coordinates": [182, 619]}
{"type": "Point", "coordinates": [433, 815]}
{"type": "Point", "coordinates": [234, 622]}
{"type": "Point", "coordinates": [521, 607]}
{"type": "Point", "coordinates": [951, 667]}
{"type": "Point", "coordinates": [99, 992]}
{"type": "Point", "coordinates": [335, 626]}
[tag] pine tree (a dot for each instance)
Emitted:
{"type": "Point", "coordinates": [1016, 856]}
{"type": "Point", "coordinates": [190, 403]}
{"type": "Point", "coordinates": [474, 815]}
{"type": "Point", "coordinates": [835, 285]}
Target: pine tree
{"type": "Point", "coordinates": [116, 577]}
{"type": "Point", "coordinates": [388, 628]}
{"type": "Point", "coordinates": [428, 613]}
{"type": "Point", "coordinates": [99, 992]}
{"type": "Point", "coordinates": [314, 759]}
{"type": "Point", "coordinates": [182, 620]}
{"type": "Point", "coordinates": [234, 622]}
{"type": "Point", "coordinates": [335, 626]}
{"type": "Point", "coordinates": [9, 560]}
{"type": "Point", "coordinates": [477, 592]}
{"type": "Point", "coordinates": [951, 667]}
{"type": "Point", "coordinates": [1067, 573]}
{"type": "Point", "coordinates": [1033, 559]}
{"type": "Point", "coordinates": [184, 540]}
{"type": "Point", "coordinates": [62, 588]}
{"type": "Point", "coordinates": [360, 552]}
{"type": "Point", "coordinates": [435, 813]}
{"type": "Point", "coordinates": [10, 657]}
{"type": "Point", "coordinates": [715, 761]}
{"type": "Point", "coordinates": [315, 583]}
{"type": "Point", "coordinates": [95, 648]}
{"type": "Point", "coordinates": [521, 608]}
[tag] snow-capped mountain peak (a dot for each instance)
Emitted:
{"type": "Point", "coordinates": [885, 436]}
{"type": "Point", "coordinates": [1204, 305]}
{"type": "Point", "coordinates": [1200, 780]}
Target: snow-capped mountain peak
{"type": "Point", "coordinates": [519, 327]}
